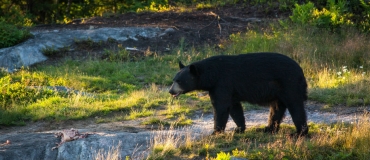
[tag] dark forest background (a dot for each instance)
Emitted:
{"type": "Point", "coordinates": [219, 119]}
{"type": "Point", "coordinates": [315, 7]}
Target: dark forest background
{"type": "Point", "coordinates": [31, 12]}
{"type": "Point", "coordinates": [17, 15]}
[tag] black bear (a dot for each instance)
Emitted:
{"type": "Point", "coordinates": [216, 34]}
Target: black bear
{"type": "Point", "coordinates": [258, 78]}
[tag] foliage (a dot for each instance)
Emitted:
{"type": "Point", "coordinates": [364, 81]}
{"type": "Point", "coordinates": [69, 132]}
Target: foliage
{"type": "Point", "coordinates": [11, 35]}
{"type": "Point", "coordinates": [120, 55]}
{"type": "Point", "coordinates": [52, 51]}
{"type": "Point", "coordinates": [223, 156]}
{"type": "Point", "coordinates": [64, 11]}
{"type": "Point", "coordinates": [155, 7]}
{"type": "Point", "coordinates": [302, 14]}
{"type": "Point", "coordinates": [18, 89]}
{"type": "Point", "coordinates": [322, 13]}
{"type": "Point", "coordinates": [14, 14]}
{"type": "Point", "coordinates": [364, 23]}
{"type": "Point", "coordinates": [336, 14]}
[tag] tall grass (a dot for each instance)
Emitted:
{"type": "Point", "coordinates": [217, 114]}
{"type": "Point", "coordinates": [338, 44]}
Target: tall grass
{"type": "Point", "coordinates": [166, 144]}
{"type": "Point", "coordinates": [112, 154]}
{"type": "Point", "coordinates": [335, 141]}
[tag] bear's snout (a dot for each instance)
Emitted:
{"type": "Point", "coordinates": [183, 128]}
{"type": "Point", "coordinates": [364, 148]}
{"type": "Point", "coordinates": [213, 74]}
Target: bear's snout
{"type": "Point", "coordinates": [175, 90]}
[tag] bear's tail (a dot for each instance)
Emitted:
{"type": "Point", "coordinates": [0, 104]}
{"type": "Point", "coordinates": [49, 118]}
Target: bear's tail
{"type": "Point", "coordinates": [303, 86]}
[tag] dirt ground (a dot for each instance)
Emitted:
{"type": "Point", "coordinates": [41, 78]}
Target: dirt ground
{"type": "Point", "coordinates": [199, 27]}
{"type": "Point", "coordinates": [209, 26]}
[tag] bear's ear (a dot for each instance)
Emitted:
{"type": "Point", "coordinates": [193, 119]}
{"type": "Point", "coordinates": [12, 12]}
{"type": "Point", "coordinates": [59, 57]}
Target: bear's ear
{"type": "Point", "coordinates": [194, 70]}
{"type": "Point", "coordinates": [181, 65]}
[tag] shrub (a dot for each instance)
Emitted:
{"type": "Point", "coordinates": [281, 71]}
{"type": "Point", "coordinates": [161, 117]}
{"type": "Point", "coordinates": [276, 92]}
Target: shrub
{"type": "Point", "coordinates": [302, 14]}
{"type": "Point", "coordinates": [10, 35]}
{"type": "Point", "coordinates": [333, 14]}
{"type": "Point", "coordinates": [364, 23]}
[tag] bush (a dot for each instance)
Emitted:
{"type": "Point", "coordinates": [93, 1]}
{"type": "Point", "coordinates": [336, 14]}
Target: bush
{"type": "Point", "coordinates": [364, 23]}
{"type": "Point", "coordinates": [302, 14]}
{"type": "Point", "coordinates": [10, 35]}
{"type": "Point", "coordinates": [334, 14]}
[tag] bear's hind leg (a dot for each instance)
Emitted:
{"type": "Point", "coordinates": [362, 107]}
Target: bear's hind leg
{"type": "Point", "coordinates": [277, 112]}
{"type": "Point", "coordinates": [299, 117]}
{"type": "Point", "coordinates": [237, 114]}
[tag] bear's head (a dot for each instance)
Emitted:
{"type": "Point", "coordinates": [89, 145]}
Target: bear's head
{"type": "Point", "coordinates": [185, 80]}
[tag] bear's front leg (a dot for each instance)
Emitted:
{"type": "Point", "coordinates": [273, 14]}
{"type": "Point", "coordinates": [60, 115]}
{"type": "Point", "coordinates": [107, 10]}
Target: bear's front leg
{"type": "Point", "coordinates": [237, 114]}
{"type": "Point", "coordinates": [221, 109]}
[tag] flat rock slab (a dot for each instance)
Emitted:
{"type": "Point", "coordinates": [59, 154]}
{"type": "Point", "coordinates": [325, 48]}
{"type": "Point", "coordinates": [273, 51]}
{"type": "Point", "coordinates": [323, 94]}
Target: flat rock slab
{"type": "Point", "coordinates": [29, 52]}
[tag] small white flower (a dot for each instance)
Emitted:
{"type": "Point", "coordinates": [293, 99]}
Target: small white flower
{"type": "Point", "coordinates": [363, 73]}
{"type": "Point", "coordinates": [339, 73]}
{"type": "Point", "coordinates": [344, 69]}
{"type": "Point", "coordinates": [361, 67]}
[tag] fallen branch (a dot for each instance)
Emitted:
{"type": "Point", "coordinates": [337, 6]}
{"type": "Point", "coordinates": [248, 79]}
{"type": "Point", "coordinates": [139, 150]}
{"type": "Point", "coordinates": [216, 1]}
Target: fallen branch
{"type": "Point", "coordinates": [218, 18]}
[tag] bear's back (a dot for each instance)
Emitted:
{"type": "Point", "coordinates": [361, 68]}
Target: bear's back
{"type": "Point", "coordinates": [250, 64]}
{"type": "Point", "coordinates": [247, 73]}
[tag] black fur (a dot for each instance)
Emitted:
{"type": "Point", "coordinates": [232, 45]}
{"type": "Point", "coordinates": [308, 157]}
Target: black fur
{"type": "Point", "coordinates": [259, 78]}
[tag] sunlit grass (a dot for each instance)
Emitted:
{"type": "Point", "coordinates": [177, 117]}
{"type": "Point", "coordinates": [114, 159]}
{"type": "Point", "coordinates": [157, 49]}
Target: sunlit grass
{"type": "Point", "coordinates": [136, 104]}
{"type": "Point", "coordinates": [140, 113]}
{"type": "Point", "coordinates": [154, 120]}
{"type": "Point", "coordinates": [333, 141]}
{"type": "Point", "coordinates": [112, 154]}
{"type": "Point", "coordinates": [169, 144]}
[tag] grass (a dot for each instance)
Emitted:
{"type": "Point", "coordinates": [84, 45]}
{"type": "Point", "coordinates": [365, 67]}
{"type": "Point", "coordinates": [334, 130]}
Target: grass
{"type": "Point", "coordinates": [335, 64]}
{"type": "Point", "coordinates": [112, 154]}
{"type": "Point", "coordinates": [334, 141]}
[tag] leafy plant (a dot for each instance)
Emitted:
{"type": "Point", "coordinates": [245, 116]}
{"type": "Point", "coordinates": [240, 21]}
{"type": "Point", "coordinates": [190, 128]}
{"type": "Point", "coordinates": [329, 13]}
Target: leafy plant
{"type": "Point", "coordinates": [116, 56]}
{"type": "Point", "coordinates": [11, 35]}
{"type": "Point", "coordinates": [333, 15]}
{"type": "Point", "coordinates": [52, 51]}
{"type": "Point", "coordinates": [365, 19]}
{"type": "Point", "coordinates": [223, 156]}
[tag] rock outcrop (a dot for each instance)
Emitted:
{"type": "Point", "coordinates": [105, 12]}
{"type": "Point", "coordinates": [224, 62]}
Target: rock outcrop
{"type": "Point", "coordinates": [32, 146]}
{"type": "Point", "coordinates": [30, 51]}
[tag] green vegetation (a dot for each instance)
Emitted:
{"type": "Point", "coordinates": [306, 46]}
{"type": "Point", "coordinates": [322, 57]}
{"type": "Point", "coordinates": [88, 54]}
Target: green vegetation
{"type": "Point", "coordinates": [335, 141]}
{"type": "Point", "coordinates": [329, 14]}
{"type": "Point", "coordinates": [334, 14]}
{"type": "Point", "coordinates": [10, 35]}
{"type": "Point", "coordinates": [325, 13]}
